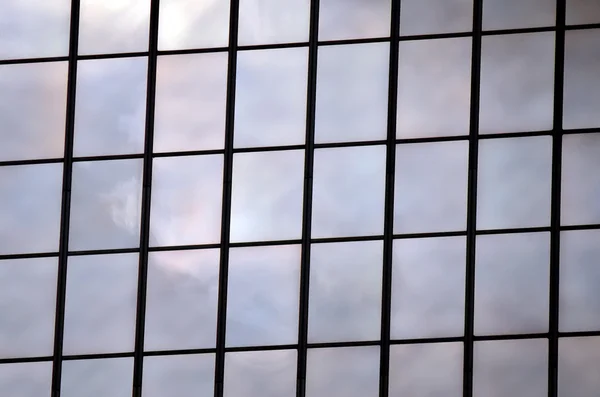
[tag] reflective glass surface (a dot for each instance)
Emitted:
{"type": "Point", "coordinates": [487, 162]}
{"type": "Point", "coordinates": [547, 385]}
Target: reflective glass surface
{"type": "Point", "coordinates": [435, 16]}
{"type": "Point", "coordinates": [182, 376]}
{"type": "Point", "coordinates": [97, 378]}
{"type": "Point", "coordinates": [273, 21]}
{"type": "Point", "coordinates": [26, 379]}
{"type": "Point", "coordinates": [356, 19]}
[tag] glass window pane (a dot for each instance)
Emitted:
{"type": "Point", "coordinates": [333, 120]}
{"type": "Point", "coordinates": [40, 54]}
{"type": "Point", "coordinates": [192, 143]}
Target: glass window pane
{"type": "Point", "coordinates": [352, 93]}
{"type": "Point", "coordinates": [512, 277]}
{"type": "Point", "coordinates": [348, 197]}
{"type": "Point", "coordinates": [345, 371]}
{"type": "Point", "coordinates": [181, 302]}
{"type": "Point", "coordinates": [428, 288]}
{"type": "Point", "coordinates": [106, 205]}
{"type": "Point", "coordinates": [578, 367]}
{"type": "Point", "coordinates": [260, 374]}
{"type": "Point", "coordinates": [113, 26]}
{"type": "Point", "coordinates": [26, 379]}
{"type": "Point", "coordinates": [518, 14]}
{"type": "Point", "coordinates": [517, 83]}
{"type": "Point", "coordinates": [110, 113]}
{"type": "Point", "coordinates": [435, 16]}
{"type": "Point", "coordinates": [345, 291]}
{"type": "Point", "coordinates": [181, 376]}
{"type": "Point", "coordinates": [273, 21]}
{"type": "Point", "coordinates": [267, 192]}
{"type": "Point", "coordinates": [582, 79]}
{"type": "Point", "coordinates": [28, 296]}
{"type": "Point", "coordinates": [100, 307]}
{"type": "Point", "coordinates": [579, 280]}
{"type": "Point", "coordinates": [30, 200]}
{"type": "Point", "coordinates": [34, 28]}
{"type": "Point", "coordinates": [186, 200]}
{"type": "Point", "coordinates": [431, 187]}
{"type": "Point", "coordinates": [270, 100]}
{"type": "Point", "coordinates": [185, 24]}
{"type": "Point", "coordinates": [33, 104]}
{"type": "Point", "coordinates": [426, 370]}
{"type": "Point", "coordinates": [95, 378]}
{"type": "Point", "coordinates": [191, 92]}
{"type": "Point", "coordinates": [582, 12]}
{"type": "Point", "coordinates": [514, 182]}
{"type": "Point", "coordinates": [432, 96]}
{"type": "Point", "coordinates": [263, 295]}
{"type": "Point", "coordinates": [511, 368]}
{"type": "Point", "coordinates": [341, 19]}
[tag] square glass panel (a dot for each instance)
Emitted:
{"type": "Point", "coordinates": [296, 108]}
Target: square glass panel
{"type": "Point", "coordinates": [511, 368]}
{"type": "Point", "coordinates": [185, 24]}
{"type": "Point", "coordinates": [343, 371]}
{"type": "Point", "coordinates": [349, 187]}
{"type": "Point", "coordinates": [270, 99]}
{"type": "Point", "coordinates": [518, 14]}
{"type": "Point", "coordinates": [33, 104]}
{"type": "Point", "coordinates": [578, 367]}
{"type": "Point", "coordinates": [30, 203]}
{"type": "Point", "coordinates": [181, 376]}
{"type": "Point", "coordinates": [514, 182]}
{"type": "Point", "coordinates": [273, 21]}
{"type": "Point", "coordinates": [352, 92]}
{"type": "Point", "coordinates": [260, 374]}
{"type": "Point", "coordinates": [582, 79]}
{"type": "Point", "coordinates": [100, 308]}
{"type": "Point", "coordinates": [186, 200]}
{"type": "Point", "coordinates": [106, 204]}
{"type": "Point", "coordinates": [191, 92]}
{"type": "Point", "coordinates": [517, 83]}
{"type": "Point", "coordinates": [419, 17]}
{"type": "Point", "coordinates": [358, 19]}
{"type": "Point", "coordinates": [28, 296]}
{"type": "Point", "coordinates": [181, 302]}
{"type": "Point", "coordinates": [97, 378]}
{"type": "Point", "coordinates": [428, 288]}
{"type": "Point", "coordinates": [110, 111]}
{"type": "Point", "coordinates": [34, 28]}
{"type": "Point", "coordinates": [426, 370]}
{"type": "Point", "coordinates": [579, 280]}
{"type": "Point", "coordinates": [267, 191]}
{"type": "Point", "coordinates": [512, 278]}
{"type": "Point", "coordinates": [26, 379]}
{"type": "Point", "coordinates": [583, 12]}
{"type": "Point", "coordinates": [113, 26]}
{"type": "Point", "coordinates": [433, 94]}
{"type": "Point", "coordinates": [263, 295]}
{"type": "Point", "coordinates": [345, 291]}
{"type": "Point", "coordinates": [430, 193]}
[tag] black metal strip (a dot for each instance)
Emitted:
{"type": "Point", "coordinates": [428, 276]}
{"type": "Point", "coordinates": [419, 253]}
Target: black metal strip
{"type": "Point", "coordinates": [514, 230]}
{"type": "Point", "coordinates": [72, 357]}
{"type": "Point", "coordinates": [18, 360]}
{"type": "Point", "coordinates": [33, 60]}
{"type": "Point", "coordinates": [113, 55]}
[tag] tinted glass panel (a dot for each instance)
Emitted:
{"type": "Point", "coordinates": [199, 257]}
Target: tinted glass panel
{"type": "Point", "coordinates": [517, 14]}
{"type": "Point", "coordinates": [181, 376]}
{"type": "Point", "coordinates": [357, 19]}
{"type": "Point", "coordinates": [582, 12]}
{"type": "Point", "coordinates": [273, 21]}
{"type": "Point", "coordinates": [26, 379]}
{"type": "Point", "coordinates": [97, 378]}
{"type": "Point", "coordinates": [578, 367]}
{"type": "Point", "coordinates": [435, 16]}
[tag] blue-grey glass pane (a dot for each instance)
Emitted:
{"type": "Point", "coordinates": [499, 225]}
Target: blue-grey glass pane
{"type": "Point", "coordinates": [514, 182]}
{"type": "Point", "coordinates": [428, 288]}
{"type": "Point", "coordinates": [579, 280]}
{"type": "Point", "coordinates": [186, 200]}
{"type": "Point", "coordinates": [426, 370]}
{"type": "Point", "coordinates": [583, 12]}
{"type": "Point", "coordinates": [105, 205]}
{"type": "Point", "coordinates": [33, 102]}
{"type": "Point", "coordinates": [270, 100]}
{"type": "Point", "coordinates": [273, 21]}
{"type": "Point", "coordinates": [263, 295]}
{"type": "Point", "coordinates": [345, 371]}
{"type": "Point", "coordinates": [191, 92]}
{"type": "Point", "coordinates": [345, 291]}
{"type": "Point", "coordinates": [185, 24]}
{"type": "Point", "coordinates": [517, 83]}
{"type": "Point", "coordinates": [260, 374]}
{"type": "Point", "coordinates": [578, 367]}
{"type": "Point", "coordinates": [518, 14]}
{"type": "Point", "coordinates": [267, 195]}
{"type": "Point", "coordinates": [356, 19]}
{"type": "Point", "coordinates": [348, 196]}
{"type": "Point", "coordinates": [433, 94]}
{"type": "Point", "coordinates": [26, 379]}
{"type": "Point", "coordinates": [431, 187]}
{"type": "Point", "coordinates": [110, 111]}
{"type": "Point", "coordinates": [30, 201]}
{"type": "Point", "coordinates": [113, 26]}
{"type": "Point", "coordinates": [512, 278]}
{"type": "Point", "coordinates": [97, 378]}
{"type": "Point", "coordinates": [101, 303]}
{"type": "Point", "coordinates": [352, 92]}
{"type": "Point", "coordinates": [435, 16]}
{"type": "Point", "coordinates": [28, 296]}
{"type": "Point", "coordinates": [181, 376]}
{"type": "Point", "coordinates": [181, 302]}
